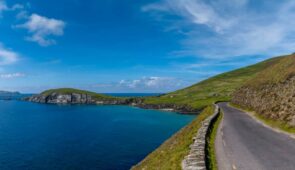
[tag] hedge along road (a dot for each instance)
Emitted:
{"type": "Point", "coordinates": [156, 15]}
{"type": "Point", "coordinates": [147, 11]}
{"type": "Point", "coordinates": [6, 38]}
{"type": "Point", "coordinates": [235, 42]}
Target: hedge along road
{"type": "Point", "coordinates": [244, 144]}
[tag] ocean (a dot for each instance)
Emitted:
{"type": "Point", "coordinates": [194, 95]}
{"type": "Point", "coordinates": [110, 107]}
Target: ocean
{"type": "Point", "coordinates": [42, 136]}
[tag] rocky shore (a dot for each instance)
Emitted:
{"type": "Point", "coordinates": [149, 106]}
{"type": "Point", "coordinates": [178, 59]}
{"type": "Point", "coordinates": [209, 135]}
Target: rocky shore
{"type": "Point", "coordinates": [183, 109]}
{"type": "Point", "coordinates": [79, 98]}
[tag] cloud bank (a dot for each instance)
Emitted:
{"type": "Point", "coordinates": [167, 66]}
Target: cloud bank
{"type": "Point", "coordinates": [152, 83]}
{"type": "Point", "coordinates": [11, 75]}
{"type": "Point", "coordinates": [42, 29]}
{"type": "Point", "coordinates": [3, 7]}
{"type": "Point", "coordinates": [144, 84]}
{"type": "Point", "coordinates": [7, 56]}
{"type": "Point", "coordinates": [219, 29]}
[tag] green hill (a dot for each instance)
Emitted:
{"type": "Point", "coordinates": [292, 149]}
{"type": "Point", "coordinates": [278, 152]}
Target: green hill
{"type": "Point", "coordinates": [78, 91]}
{"type": "Point", "coordinates": [276, 72]}
{"type": "Point", "coordinates": [200, 95]}
{"type": "Point", "coordinates": [217, 88]}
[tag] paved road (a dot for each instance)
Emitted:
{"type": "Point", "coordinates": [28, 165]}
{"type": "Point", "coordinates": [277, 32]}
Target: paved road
{"type": "Point", "coordinates": [244, 144]}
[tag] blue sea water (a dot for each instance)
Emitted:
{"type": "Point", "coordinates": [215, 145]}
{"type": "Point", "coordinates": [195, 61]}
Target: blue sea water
{"type": "Point", "coordinates": [133, 94]}
{"type": "Point", "coordinates": [39, 136]}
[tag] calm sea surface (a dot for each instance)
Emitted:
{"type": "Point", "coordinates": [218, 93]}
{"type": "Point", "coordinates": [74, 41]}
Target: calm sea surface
{"type": "Point", "coordinates": [39, 136]}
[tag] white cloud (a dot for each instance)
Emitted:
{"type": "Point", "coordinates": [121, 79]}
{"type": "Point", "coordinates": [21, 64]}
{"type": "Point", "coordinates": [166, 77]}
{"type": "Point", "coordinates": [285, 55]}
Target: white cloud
{"type": "Point", "coordinates": [3, 6]}
{"type": "Point", "coordinates": [11, 75]}
{"type": "Point", "coordinates": [7, 56]}
{"type": "Point", "coordinates": [17, 7]}
{"type": "Point", "coordinates": [22, 15]}
{"type": "Point", "coordinates": [220, 29]}
{"type": "Point", "coordinates": [43, 28]}
{"type": "Point", "coordinates": [165, 83]}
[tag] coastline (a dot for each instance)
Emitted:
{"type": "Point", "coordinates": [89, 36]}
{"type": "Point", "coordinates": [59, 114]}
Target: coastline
{"type": "Point", "coordinates": [75, 98]}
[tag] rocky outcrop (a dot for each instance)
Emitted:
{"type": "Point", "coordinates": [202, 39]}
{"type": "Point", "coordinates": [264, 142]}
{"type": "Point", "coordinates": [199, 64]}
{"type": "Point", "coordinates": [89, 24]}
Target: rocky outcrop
{"type": "Point", "coordinates": [56, 98]}
{"type": "Point", "coordinates": [77, 98]}
{"type": "Point", "coordinates": [273, 101]}
{"type": "Point", "coordinates": [196, 160]}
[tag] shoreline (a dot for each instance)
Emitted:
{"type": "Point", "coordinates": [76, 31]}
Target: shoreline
{"type": "Point", "coordinates": [84, 99]}
{"type": "Point", "coordinates": [142, 106]}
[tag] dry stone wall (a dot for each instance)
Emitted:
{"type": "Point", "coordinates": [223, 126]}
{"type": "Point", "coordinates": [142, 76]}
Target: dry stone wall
{"type": "Point", "coordinates": [196, 160]}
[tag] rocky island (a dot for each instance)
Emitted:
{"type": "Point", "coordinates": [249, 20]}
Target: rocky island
{"type": "Point", "coordinates": [76, 96]}
{"type": "Point", "coordinates": [7, 95]}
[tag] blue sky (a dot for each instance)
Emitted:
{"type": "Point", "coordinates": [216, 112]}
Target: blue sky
{"type": "Point", "coordinates": [136, 46]}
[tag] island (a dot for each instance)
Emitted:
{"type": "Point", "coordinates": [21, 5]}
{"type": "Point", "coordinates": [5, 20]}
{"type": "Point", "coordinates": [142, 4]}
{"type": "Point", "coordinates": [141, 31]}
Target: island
{"type": "Point", "coordinates": [77, 96]}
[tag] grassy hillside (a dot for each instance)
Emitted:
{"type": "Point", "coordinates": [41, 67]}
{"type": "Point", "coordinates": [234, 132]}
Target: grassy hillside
{"type": "Point", "coordinates": [218, 88]}
{"type": "Point", "coordinates": [278, 73]}
{"type": "Point", "coordinates": [201, 95]}
{"type": "Point", "coordinates": [71, 90]}
{"type": "Point", "coordinates": [271, 94]}
{"type": "Point", "coordinates": [170, 154]}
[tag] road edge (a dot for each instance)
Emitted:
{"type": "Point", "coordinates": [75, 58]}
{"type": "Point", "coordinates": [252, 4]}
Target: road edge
{"type": "Point", "coordinates": [251, 114]}
{"type": "Point", "coordinates": [197, 158]}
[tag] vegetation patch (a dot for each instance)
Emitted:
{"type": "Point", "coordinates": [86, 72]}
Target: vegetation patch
{"type": "Point", "coordinates": [71, 91]}
{"type": "Point", "coordinates": [171, 153]}
{"type": "Point", "coordinates": [211, 161]}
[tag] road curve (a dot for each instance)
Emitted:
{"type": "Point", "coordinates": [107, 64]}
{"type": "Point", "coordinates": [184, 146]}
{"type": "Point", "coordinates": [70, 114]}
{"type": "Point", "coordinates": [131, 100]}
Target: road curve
{"type": "Point", "coordinates": [244, 144]}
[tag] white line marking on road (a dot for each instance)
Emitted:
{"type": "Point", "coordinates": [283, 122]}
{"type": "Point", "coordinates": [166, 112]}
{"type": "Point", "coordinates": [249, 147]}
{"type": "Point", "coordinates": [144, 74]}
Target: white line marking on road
{"type": "Point", "coordinates": [234, 167]}
{"type": "Point", "coordinates": [223, 143]}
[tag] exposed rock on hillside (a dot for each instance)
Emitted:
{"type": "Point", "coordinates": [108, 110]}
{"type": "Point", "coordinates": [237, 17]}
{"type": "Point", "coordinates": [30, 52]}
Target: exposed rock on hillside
{"type": "Point", "coordinates": [56, 98]}
{"type": "Point", "coordinates": [271, 93]}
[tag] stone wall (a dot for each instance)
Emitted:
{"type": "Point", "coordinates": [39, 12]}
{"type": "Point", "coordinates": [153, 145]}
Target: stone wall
{"type": "Point", "coordinates": [196, 160]}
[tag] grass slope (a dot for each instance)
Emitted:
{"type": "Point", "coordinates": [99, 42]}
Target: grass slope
{"type": "Point", "coordinates": [71, 90]}
{"type": "Point", "coordinates": [170, 154]}
{"type": "Point", "coordinates": [278, 73]}
{"type": "Point", "coordinates": [218, 88]}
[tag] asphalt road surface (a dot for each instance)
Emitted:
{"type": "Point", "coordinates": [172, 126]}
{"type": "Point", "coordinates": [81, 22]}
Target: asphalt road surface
{"type": "Point", "coordinates": [244, 144]}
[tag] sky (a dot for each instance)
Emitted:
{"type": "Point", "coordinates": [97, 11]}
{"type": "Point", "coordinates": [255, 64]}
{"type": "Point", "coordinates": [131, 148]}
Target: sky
{"type": "Point", "coordinates": [136, 46]}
